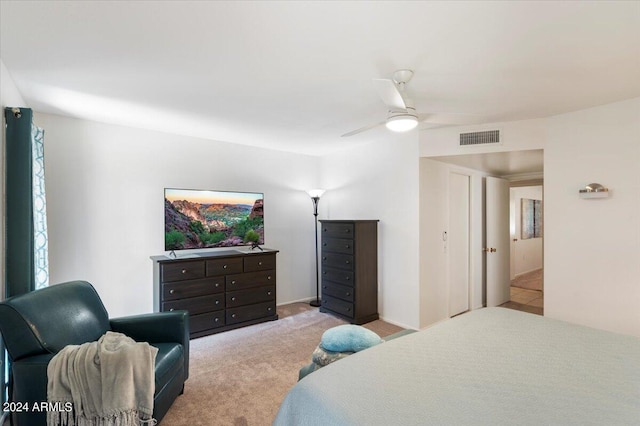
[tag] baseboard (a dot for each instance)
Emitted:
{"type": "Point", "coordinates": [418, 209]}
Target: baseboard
{"type": "Point", "coordinates": [305, 300]}
{"type": "Point", "coordinates": [398, 324]}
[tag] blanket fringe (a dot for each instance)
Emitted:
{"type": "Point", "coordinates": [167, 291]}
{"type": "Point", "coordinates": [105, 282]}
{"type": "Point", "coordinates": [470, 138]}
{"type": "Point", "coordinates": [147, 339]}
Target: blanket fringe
{"type": "Point", "coordinates": [127, 418]}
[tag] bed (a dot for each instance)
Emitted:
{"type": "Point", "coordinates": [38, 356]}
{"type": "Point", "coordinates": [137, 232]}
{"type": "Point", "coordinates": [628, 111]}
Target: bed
{"type": "Point", "coordinates": [492, 366]}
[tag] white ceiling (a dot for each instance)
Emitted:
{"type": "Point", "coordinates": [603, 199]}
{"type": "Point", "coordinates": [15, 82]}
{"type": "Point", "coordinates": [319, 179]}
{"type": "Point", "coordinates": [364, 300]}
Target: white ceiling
{"type": "Point", "coordinates": [512, 164]}
{"type": "Point", "coordinates": [294, 76]}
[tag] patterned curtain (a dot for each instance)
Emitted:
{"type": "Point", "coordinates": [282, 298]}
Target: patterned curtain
{"type": "Point", "coordinates": [40, 238]}
{"type": "Point", "coordinates": [26, 256]}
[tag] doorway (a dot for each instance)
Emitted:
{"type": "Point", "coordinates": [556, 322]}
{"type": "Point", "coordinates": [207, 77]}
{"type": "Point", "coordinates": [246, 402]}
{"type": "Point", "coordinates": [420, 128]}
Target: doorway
{"type": "Point", "coordinates": [526, 226]}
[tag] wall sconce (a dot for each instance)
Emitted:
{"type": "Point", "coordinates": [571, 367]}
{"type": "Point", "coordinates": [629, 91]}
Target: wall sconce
{"type": "Point", "coordinates": [594, 190]}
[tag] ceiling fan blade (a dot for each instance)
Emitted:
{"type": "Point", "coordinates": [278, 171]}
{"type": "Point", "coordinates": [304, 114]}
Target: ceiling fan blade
{"type": "Point", "coordinates": [451, 118]}
{"type": "Point", "coordinates": [362, 129]}
{"type": "Point", "coordinates": [389, 94]}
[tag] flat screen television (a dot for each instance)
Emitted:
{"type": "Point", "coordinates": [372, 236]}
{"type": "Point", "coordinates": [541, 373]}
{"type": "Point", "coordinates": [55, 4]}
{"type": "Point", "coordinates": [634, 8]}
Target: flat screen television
{"type": "Point", "coordinates": [197, 219]}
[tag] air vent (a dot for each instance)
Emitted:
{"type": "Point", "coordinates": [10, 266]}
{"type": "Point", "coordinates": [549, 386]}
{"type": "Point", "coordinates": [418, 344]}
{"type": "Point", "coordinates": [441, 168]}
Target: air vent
{"type": "Point", "coordinates": [480, 138]}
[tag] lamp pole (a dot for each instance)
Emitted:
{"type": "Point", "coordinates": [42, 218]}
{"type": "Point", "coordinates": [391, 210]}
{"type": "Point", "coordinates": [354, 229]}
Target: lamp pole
{"type": "Point", "coordinates": [315, 195]}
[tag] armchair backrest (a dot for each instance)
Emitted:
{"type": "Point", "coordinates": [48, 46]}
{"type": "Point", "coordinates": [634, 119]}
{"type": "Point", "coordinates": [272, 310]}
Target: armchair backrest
{"type": "Point", "coordinates": [46, 320]}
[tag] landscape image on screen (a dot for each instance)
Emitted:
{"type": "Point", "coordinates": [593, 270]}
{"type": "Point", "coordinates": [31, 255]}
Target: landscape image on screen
{"type": "Point", "coordinates": [195, 219]}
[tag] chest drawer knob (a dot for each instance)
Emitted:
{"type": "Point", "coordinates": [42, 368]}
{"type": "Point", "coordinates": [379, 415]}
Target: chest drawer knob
{"type": "Point", "coordinates": [269, 309]}
{"type": "Point", "coordinates": [269, 277]}
{"type": "Point", "coordinates": [348, 293]}
{"type": "Point", "coordinates": [233, 315]}
{"type": "Point", "coordinates": [347, 278]}
{"type": "Point", "coordinates": [233, 299]}
{"type": "Point", "coordinates": [268, 293]}
{"type": "Point", "coordinates": [224, 267]}
{"type": "Point", "coordinates": [347, 262]}
{"type": "Point", "coordinates": [216, 320]}
{"type": "Point", "coordinates": [184, 271]}
{"type": "Point", "coordinates": [347, 246]}
{"type": "Point", "coordinates": [217, 302]}
{"type": "Point", "coordinates": [233, 282]}
{"type": "Point", "coordinates": [171, 310]}
{"type": "Point", "coordinates": [217, 285]}
{"type": "Point", "coordinates": [259, 263]}
{"type": "Point", "coordinates": [171, 291]}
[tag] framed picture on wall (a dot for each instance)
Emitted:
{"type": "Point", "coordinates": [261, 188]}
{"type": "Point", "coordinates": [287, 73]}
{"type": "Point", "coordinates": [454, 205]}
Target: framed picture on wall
{"type": "Point", "coordinates": [531, 216]}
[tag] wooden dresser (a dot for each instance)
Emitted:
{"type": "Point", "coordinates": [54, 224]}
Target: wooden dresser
{"type": "Point", "coordinates": [349, 269]}
{"type": "Point", "coordinates": [221, 290]}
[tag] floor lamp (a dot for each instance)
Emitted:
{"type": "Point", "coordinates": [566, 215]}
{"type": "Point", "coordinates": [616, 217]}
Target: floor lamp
{"type": "Point", "coordinates": [315, 195]}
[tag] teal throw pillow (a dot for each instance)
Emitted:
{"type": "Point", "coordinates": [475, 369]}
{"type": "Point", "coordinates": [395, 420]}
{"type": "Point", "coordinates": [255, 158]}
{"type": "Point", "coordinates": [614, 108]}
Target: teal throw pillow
{"type": "Point", "coordinates": [349, 338]}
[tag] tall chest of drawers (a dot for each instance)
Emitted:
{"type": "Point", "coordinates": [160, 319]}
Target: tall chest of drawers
{"type": "Point", "coordinates": [221, 290]}
{"type": "Point", "coordinates": [349, 270]}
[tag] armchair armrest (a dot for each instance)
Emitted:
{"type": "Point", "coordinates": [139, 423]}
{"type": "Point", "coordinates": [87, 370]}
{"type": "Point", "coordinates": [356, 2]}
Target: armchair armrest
{"type": "Point", "coordinates": [158, 327]}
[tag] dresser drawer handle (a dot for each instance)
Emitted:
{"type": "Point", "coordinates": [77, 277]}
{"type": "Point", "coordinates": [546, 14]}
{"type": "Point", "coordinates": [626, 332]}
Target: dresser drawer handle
{"type": "Point", "coordinates": [347, 262]}
{"type": "Point", "coordinates": [184, 271]}
{"type": "Point", "coordinates": [217, 285]}
{"type": "Point", "coordinates": [233, 282]}
{"type": "Point", "coordinates": [324, 244]}
{"type": "Point", "coordinates": [347, 230]}
{"type": "Point", "coordinates": [217, 302]}
{"type": "Point", "coordinates": [233, 299]}
{"type": "Point", "coordinates": [348, 309]}
{"type": "Point", "coordinates": [269, 309]}
{"type": "Point", "coordinates": [348, 294]}
{"type": "Point", "coordinates": [347, 278]}
{"type": "Point", "coordinates": [268, 293]}
{"type": "Point", "coordinates": [233, 315]}
{"type": "Point", "coordinates": [216, 319]}
{"type": "Point", "coordinates": [324, 257]}
{"type": "Point", "coordinates": [269, 277]}
{"type": "Point", "coordinates": [224, 266]}
{"type": "Point", "coordinates": [171, 310]}
{"type": "Point", "coordinates": [259, 263]}
{"type": "Point", "coordinates": [171, 291]}
{"type": "Point", "coordinates": [324, 287]}
{"type": "Point", "coordinates": [347, 246]}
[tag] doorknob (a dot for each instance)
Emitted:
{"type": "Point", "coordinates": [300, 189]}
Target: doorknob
{"type": "Point", "coordinates": [515, 239]}
{"type": "Point", "coordinates": [492, 250]}
{"type": "Point", "coordinates": [489, 250]}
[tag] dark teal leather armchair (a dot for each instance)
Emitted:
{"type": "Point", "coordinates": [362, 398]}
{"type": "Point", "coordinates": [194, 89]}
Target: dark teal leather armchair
{"type": "Point", "coordinates": [36, 325]}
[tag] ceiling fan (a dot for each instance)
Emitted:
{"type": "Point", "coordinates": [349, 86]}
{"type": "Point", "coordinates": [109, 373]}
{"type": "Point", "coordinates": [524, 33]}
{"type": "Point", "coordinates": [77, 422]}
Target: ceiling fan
{"type": "Point", "coordinates": [402, 115]}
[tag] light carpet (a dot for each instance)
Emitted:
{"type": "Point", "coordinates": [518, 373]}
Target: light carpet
{"type": "Point", "coordinates": [531, 280]}
{"type": "Point", "coordinates": [240, 377]}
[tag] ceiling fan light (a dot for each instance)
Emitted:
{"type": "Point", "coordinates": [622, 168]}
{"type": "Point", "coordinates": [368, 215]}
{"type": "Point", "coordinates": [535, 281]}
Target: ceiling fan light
{"type": "Point", "coordinates": [402, 123]}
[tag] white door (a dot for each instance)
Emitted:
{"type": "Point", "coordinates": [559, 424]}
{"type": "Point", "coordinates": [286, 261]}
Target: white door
{"type": "Point", "coordinates": [497, 241]}
{"type": "Point", "coordinates": [458, 243]}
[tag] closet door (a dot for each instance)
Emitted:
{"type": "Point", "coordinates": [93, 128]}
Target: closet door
{"type": "Point", "coordinates": [458, 243]}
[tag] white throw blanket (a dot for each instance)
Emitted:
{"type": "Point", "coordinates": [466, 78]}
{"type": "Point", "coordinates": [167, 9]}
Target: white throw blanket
{"type": "Point", "coordinates": [110, 382]}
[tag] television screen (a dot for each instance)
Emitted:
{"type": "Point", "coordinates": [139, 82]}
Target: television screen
{"type": "Point", "coordinates": [195, 219]}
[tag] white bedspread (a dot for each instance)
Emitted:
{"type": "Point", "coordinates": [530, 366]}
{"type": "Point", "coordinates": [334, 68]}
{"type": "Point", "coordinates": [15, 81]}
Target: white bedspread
{"type": "Point", "coordinates": [492, 366]}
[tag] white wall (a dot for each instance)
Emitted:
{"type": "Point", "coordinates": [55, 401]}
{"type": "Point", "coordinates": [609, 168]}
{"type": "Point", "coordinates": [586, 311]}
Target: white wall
{"type": "Point", "coordinates": [9, 97]}
{"type": "Point", "coordinates": [527, 253]}
{"type": "Point", "coordinates": [379, 180]}
{"type": "Point", "coordinates": [105, 204]}
{"type": "Point", "coordinates": [592, 247]}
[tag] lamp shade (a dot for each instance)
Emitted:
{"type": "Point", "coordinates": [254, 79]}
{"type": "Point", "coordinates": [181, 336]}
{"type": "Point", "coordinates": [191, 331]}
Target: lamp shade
{"type": "Point", "coordinates": [315, 193]}
{"type": "Point", "coordinates": [402, 122]}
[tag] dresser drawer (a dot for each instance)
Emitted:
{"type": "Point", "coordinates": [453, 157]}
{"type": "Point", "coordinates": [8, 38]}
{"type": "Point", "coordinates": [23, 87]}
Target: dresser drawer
{"type": "Point", "coordinates": [337, 276]}
{"type": "Point", "coordinates": [182, 289]}
{"type": "Point", "coordinates": [338, 230]}
{"type": "Point", "coordinates": [206, 321]}
{"type": "Point", "coordinates": [251, 312]}
{"type": "Point", "coordinates": [231, 265]}
{"type": "Point", "coordinates": [251, 279]}
{"type": "Point", "coordinates": [178, 271]}
{"type": "Point", "coordinates": [251, 296]}
{"type": "Point", "coordinates": [333, 260]}
{"type": "Point", "coordinates": [196, 305]}
{"type": "Point", "coordinates": [259, 262]}
{"type": "Point", "coordinates": [339, 291]}
{"type": "Point", "coordinates": [337, 305]}
{"type": "Point", "coordinates": [337, 245]}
